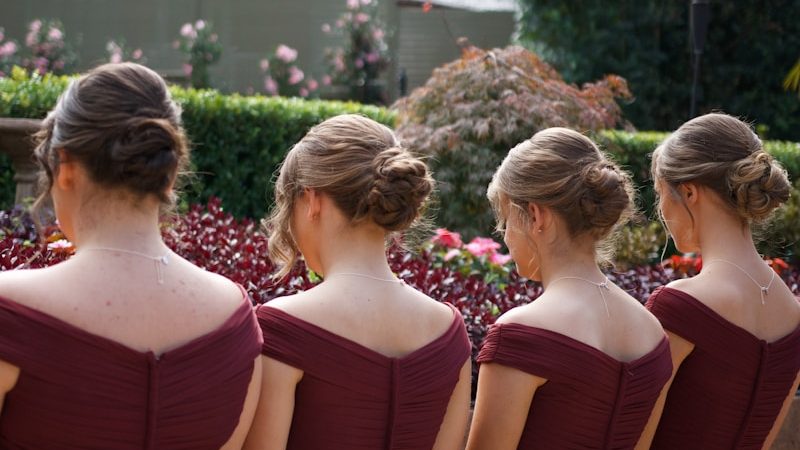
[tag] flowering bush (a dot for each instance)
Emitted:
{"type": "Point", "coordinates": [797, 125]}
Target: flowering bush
{"type": "Point", "coordinates": [118, 52]}
{"type": "Point", "coordinates": [283, 77]}
{"type": "Point", "coordinates": [479, 287]}
{"type": "Point", "coordinates": [364, 54]}
{"type": "Point", "coordinates": [201, 48]}
{"type": "Point", "coordinates": [8, 54]}
{"type": "Point", "coordinates": [46, 49]}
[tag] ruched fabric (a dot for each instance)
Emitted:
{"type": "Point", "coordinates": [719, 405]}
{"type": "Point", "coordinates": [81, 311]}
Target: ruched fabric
{"type": "Point", "coordinates": [352, 397]}
{"type": "Point", "coordinates": [77, 390]}
{"type": "Point", "coordinates": [728, 392]}
{"type": "Point", "coordinates": [590, 400]}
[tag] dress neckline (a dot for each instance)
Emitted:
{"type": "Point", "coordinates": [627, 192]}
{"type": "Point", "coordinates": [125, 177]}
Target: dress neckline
{"type": "Point", "coordinates": [360, 348]}
{"type": "Point", "coordinates": [662, 345]}
{"type": "Point", "coordinates": [689, 298]}
{"type": "Point", "coordinates": [69, 328]}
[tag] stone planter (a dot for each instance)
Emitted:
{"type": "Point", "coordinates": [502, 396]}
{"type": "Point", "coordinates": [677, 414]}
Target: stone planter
{"type": "Point", "coordinates": [789, 436]}
{"type": "Point", "coordinates": [16, 142]}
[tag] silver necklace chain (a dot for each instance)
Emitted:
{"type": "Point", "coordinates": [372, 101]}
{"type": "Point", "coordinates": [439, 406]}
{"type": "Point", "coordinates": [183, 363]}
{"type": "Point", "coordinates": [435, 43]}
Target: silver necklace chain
{"type": "Point", "coordinates": [764, 289]}
{"type": "Point", "coordinates": [602, 286]}
{"type": "Point", "coordinates": [158, 261]}
{"type": "Point", "coordinates": [363, 275]}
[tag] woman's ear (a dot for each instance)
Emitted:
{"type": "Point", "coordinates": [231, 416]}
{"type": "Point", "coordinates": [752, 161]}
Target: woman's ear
{"type": "Point", "coordinates": [690, 192]}
{"type": "Point", "coordinates": [536, 214]}
{"type": "Point", "coordinates": [66, 173]}
{"type": "Point", "coordinates": [314, 203]}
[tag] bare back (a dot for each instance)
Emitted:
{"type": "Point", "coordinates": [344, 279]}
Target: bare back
{"type": "Point", "coordinates": [119, 298]}
{"type": "Point", "coordinates": [390, 318]}
{"type": "Point", "coordinates": [626, 332]}
{"type": "Point", "coordinates": [737, 299]}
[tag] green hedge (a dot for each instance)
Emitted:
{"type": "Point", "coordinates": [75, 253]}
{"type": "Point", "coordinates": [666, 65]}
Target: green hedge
{"type": "Point", "coordinates": [238, 141]}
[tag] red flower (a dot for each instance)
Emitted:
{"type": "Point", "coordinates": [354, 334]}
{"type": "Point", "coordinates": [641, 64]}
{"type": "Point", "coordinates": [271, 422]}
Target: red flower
{"type": "Point", "coordinates": [447, 238]}
{"type": "Point", "coordinates": [427, 6]}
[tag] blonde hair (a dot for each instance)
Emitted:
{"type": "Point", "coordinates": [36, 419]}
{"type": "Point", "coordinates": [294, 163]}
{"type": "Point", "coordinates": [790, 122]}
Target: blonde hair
{"type": "Point", "coordinates": [565, 171]}
{"type": "Point", "coordinates": [724, 154]}
{"type": "Point", "coordinates": [360, 165]}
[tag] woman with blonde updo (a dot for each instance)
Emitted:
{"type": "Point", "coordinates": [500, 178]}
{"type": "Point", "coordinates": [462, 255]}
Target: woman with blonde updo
{"type": "Point", "coordinates": [126, 345]}
{"type": "Point", "coordinates": [582, 365]}
{"type": "Point", "coordinates": [362, 360]}
{"type": "Point", "coordinates": [734, 329]}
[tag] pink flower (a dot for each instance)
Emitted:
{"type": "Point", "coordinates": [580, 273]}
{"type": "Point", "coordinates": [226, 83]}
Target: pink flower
{"type": "Point", "coordinates": [499, 259]}
{"type": "Point", "coordinates": [188, 31]}
{"type": "Point", "coordinates": [362, 18]}
{"type": "Point", "coordinates": [312, 84]}
{"type": "Point", "coordinates": [35, 26]}
{"type": "Point", "coordinates": [303, 92]}
{"type": "Point", "coordinates": [137, 54]}
{"type": "Point", "coordinates": [447, 238]}
{"type": "Point", "coordinates": [187, 69]}
{"type": "Point", "coordinates": [200, 24]}
{"type": "Point", "coordinates": [325, 28]}
{"type": "Point", "coordinates": [115, 58]}
{"type": "Point", "coordinates": [452, 253]}
{"type": "Point", "coordinates": [30, 39]}
{"type": "Point", "coordinates": [295, 75]}
{"type": "Point", "coordinates": [8, 49]}
{"type": "Point", "coordinates": [286, 54]}
{"type": "Point", "coordinates": [61, 244]}
{"type": "Point", "coordinates": [373, 57]}
{"type": "Point", "coordinates": [264, 65]}
{"type": "Point", "coordinates": [481, 246]}
{"type": "Point", "coordinates": [378, 34]}
{"type": "Point", "coordinates": [338, 63]}
{"type": "Point", "coordinates": [326, 80]}
{"type": "Point", "coordinates": [352, 4]}
{"type": "Point", "coordinates": [55, 34]}
{"type": "Point", "coordinates": [359, 63]}
{"type": "Point", "coordinates": [270, 86]}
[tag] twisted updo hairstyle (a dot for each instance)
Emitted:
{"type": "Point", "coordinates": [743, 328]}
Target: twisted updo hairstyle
{"type": "Point", "coordinates": [119, 122]}
{"type": "Point", "coordinates": [360, 165]}
{"type": "Point", "coordinates": [565, 171]}
{"type": "Point", "coordinates": [724, 154]}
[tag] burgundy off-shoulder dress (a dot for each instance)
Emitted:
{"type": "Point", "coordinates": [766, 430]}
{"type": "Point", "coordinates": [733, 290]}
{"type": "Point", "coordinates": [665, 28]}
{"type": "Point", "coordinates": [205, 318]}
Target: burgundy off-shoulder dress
{"type": "Point", "coordinates": [78, 390]}
{"type": "Point", "coordinates": [354, 398]}
{"type": "Point", "coordinates": [728, 392]}
{"type": "Point", "coordinates": [590, 400]}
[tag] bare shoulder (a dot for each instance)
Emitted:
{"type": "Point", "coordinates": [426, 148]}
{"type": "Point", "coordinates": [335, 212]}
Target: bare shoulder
{"type": "Point", "coordinates": [29, 286]}
{"type": "Point", "coordinates": [534, 314]}
{"type": "Point", "coordinates": [295, 304]}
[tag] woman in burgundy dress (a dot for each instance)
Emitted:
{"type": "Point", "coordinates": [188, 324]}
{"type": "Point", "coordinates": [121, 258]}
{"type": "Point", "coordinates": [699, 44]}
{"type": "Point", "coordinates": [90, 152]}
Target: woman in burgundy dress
{"type": "Point", "coordinates": [734, 329]}
{"type": "Point", "coordinates": [125, 345]}
{"type": "Point", "coordinates": [361, 361]}
{"type": "Point", "coordinates": [582, 366]}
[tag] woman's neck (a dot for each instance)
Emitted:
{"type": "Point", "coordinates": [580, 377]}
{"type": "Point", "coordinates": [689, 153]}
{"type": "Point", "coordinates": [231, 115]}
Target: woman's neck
{"type": "Point", "coordinates": [121, 226]}
{"type": "Point", "coordinates": [359, 250]}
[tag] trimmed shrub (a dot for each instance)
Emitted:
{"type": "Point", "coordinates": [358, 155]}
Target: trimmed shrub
{"type": "Point", "coordinates": [238, 141]}
{"type": "Point", "coordinates": [472, 110]}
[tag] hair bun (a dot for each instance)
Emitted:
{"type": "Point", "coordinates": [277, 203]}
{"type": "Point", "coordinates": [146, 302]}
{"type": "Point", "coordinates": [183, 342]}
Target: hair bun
{"type": "Point", "coordinates": [607, 196]}
{"type": "Point", "coordinates": [758, 185]}
{"type": "Point", "coordinates": [402, 184]}
{"type": "Point", "coordinates": [146, 156]}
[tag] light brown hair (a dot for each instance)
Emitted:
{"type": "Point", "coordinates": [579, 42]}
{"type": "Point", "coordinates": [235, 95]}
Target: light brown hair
{"type": "Point", "coordinates": [361, 166]}
{"type": "Point", "coordinates": [565, 171]}
{"type": "Point", "coordinates": [724, 154]}
{"type": "Point", "coordinates": [119, 122]}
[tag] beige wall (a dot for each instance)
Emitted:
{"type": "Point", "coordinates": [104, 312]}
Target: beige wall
{"type": "Point", "coordinates": [251, 29]}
